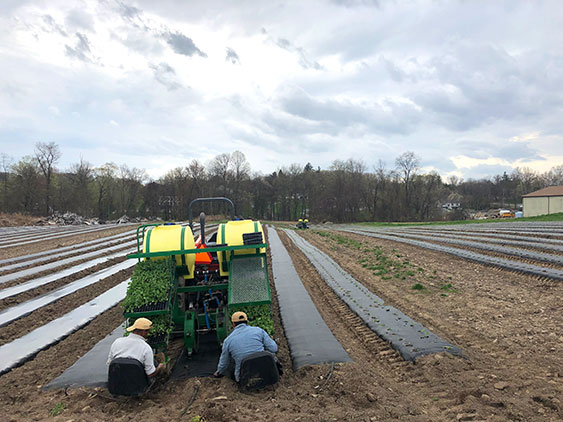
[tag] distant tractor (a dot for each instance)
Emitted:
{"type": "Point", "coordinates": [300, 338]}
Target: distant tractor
{"type": "Point", "coordinates": [302, 223]}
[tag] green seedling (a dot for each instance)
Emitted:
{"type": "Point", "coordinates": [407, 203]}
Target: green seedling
{"type": "Point", "coordinates": [150, 283]}
{"type": "Point", "coordinates": [258, 316]}
{"type": "Point", "coordinates": [418, 286]}
{"type": "Point", "coordinates": [58, 409]}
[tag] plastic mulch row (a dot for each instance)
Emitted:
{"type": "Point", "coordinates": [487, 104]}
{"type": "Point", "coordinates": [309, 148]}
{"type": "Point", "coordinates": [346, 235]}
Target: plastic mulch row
{"type": "Point", "coordinates": [310, 340]}
{"type": "Point", "coordinates": [407, 336]}
{"type": "Point", "coordinates": [507, 264]}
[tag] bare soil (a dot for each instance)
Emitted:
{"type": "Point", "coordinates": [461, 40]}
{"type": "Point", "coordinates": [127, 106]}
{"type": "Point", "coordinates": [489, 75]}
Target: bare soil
{"type": "Point", "coordinates": [17, 219]}
{"type": "Point", "coordinates": [508, 325]}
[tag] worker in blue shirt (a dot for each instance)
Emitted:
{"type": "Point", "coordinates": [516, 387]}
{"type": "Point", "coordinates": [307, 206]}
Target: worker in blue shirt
{"type": "Point", "coordinates": [243, 341]}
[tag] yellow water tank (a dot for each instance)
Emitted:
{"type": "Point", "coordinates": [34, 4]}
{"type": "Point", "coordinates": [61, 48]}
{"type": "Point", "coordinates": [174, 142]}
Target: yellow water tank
{"type": "Point", "coordinates": [230, 233]}
{"type": "Point", "coordinates": [171, 238]}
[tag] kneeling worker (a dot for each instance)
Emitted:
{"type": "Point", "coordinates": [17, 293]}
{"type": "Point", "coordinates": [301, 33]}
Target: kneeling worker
{"type": "Point", "coordinates": [136, 347]}
{"type": "Point", "coordinates": [243, 341]}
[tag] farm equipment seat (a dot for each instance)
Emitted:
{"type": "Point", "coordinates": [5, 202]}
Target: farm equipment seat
{"type": "Point", "coordinates": [258, 370]}
{"type": "Point", "coordinates": [127, 377]}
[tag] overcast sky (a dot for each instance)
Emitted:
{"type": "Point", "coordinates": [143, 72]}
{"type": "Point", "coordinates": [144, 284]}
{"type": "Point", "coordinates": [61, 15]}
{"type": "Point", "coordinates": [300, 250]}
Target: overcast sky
{"type": "Point", "coordinates": [474, 88]}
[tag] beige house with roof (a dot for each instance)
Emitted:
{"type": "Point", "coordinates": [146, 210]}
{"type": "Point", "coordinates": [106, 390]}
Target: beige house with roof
{"type": "Point", "coordinates": [544, 201]}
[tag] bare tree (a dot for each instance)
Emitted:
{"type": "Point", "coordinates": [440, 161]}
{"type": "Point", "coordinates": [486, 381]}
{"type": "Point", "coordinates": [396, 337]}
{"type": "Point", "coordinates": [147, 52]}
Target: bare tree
{"type": "Point", "coordinates": [130, 183]}
{"type": "Point", "coordinates": [220, 167]}
{"type": "Point", "coordinates": [241, 171]}
{"type": "Point", "coordinates": [196, 171]}
{"type": "Point", "coordinates": [81, 175]}
{"type": "Point", "coordinates": [407, 165]}
{"type": "Point", "coordinates": [555, 176]}
{"type": "Point", "coordinates": [5, 165]}
{"type": "Point", "coordinates": [377, 184]}
{"type": "Point", "coordinates": [454, 181]}
{"type": "Point", "coordinates": [47, 155]}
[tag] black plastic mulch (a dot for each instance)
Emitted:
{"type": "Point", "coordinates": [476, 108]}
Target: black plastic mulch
{"type": "Point", "coordinates": [409, 337]}
{"type": "Point", "coordinates": [309, 338]}
{"type": "Point", "coordinates": [203, 363]}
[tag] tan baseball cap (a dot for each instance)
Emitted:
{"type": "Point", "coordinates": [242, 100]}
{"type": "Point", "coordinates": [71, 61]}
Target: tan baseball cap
{"type": "Point", "coordinates": [141, 324]}
{"type": "Point", "coordinates": [239, 317]}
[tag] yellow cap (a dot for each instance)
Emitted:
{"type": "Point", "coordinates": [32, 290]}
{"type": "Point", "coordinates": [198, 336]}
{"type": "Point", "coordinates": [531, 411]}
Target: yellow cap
{"type": "Point", "coordinates": [141, 324]}
{"type": "Point", "coordinates": [239, 317]}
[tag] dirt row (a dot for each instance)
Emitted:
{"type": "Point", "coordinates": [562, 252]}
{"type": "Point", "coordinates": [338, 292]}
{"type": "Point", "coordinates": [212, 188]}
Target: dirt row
{"type": "Point", "coordinates": [507, 325]}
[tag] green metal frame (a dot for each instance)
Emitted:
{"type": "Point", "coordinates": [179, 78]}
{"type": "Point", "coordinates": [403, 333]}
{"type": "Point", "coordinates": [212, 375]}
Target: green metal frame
{"type": "Point", "coordinates": [190, 327]}
{"type": "Point", "coordinates": [260, 302]}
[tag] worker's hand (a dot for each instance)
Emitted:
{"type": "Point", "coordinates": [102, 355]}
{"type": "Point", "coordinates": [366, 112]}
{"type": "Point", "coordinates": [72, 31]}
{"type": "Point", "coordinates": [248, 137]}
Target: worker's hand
{"type": "Point", "coordinates": [160, 357]}
{"type": "Point", "coordinates": [217, 375]}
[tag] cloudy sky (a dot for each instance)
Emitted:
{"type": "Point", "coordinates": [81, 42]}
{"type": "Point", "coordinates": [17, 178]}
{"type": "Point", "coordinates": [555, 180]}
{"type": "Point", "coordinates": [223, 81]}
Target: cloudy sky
{"type": "Point", "coordinates": [474, 88]}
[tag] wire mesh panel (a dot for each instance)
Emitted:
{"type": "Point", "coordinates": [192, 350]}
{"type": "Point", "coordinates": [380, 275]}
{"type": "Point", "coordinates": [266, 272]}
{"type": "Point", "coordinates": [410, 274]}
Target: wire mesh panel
{"type": "Point", "coordinates": [248, 281]}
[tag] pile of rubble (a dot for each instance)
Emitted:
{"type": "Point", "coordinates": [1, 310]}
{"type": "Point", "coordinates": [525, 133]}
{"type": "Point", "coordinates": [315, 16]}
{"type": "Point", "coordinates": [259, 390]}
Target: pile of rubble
{"type": "Point", "coordinates": [125, 219]}
{"type": "Point", "coordinates": [67, 219]}
{"type": "Point", "coordinates": [70, 218]}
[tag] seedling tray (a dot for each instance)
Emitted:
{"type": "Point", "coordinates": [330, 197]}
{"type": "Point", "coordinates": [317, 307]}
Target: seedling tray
{"type": "Point", "coordinates": [157, 340]}
{"type": "Point", "coordinates": [149, 309]}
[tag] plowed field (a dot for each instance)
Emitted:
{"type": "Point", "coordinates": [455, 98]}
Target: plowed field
{"type": "Point", "coordinates": [508, 324]}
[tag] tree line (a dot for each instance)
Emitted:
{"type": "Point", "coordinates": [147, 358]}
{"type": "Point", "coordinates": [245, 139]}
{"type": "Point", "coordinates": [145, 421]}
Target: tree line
{"type": "Point", "coordinates": [345, 192]}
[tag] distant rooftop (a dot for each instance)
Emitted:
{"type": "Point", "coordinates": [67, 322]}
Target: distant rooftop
{"type": "Point", "coordinates": [550, 191]}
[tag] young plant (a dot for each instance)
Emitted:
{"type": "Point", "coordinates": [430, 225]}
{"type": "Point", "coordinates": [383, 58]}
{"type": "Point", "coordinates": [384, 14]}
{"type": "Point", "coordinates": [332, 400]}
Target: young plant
{"type": "Point", "coordinates": [149, 284]}
{"type": "Point", "coordinates": [258, 316]}
{"type": "Point", "coordinates": [58, 409]}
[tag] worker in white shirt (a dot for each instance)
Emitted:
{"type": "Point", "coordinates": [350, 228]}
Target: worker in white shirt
{"type": "Point", "coordinates": [135, 346]}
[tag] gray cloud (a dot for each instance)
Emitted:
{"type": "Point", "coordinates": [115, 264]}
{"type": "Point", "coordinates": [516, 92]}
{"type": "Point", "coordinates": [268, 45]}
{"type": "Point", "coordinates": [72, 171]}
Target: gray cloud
{"type": "Point", "coordinates": [396, 73]}
{"type": "Point", "coordinates": [387, 118]}
{"type": "Point", "coordinates": [53, 26]}
{"type": "Point", "coordinates": [485, 171]}
{"type": "Point", "coordinates": [476, 84]}
{"type": "Point", "coordinates": [129, 12]}
{"type": "Point", "coordinates": [81, 50]}
{"type": "Point", "coordinates": [505, 149]}
{"type": "Point", "coordinates": [304, 60]}
{"type": "Point", "coordinates": [516, 151]}
{"type": "Point", "coordinates": [232, 56]}
{"type": "Point", "coordinates": [79, 19]}
{"type": "Point", "coordinates": [182, 44]}
{"type": "Point", "coordinates": [166, 75]}
{"type": "Point", "coordinates": [356, 3]}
